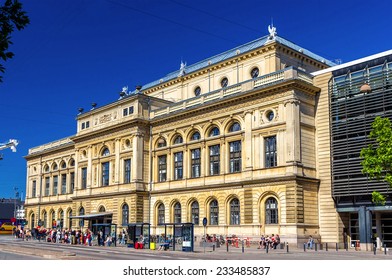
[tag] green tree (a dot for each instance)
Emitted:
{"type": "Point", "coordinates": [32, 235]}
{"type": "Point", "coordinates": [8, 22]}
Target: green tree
{"type": "Point", "coordinates": [377, 159]}
{"type": "Point", "coordinates": [11, 16]}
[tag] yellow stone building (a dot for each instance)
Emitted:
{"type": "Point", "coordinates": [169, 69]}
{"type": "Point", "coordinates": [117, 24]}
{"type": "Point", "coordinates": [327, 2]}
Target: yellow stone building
{"type": "Point", "coordinates": [232, 138]}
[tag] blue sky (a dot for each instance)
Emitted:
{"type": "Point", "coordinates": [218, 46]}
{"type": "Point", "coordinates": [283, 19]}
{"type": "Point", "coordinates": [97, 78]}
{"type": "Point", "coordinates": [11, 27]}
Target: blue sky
{"type": "Point", "coordinates": [76, 52]}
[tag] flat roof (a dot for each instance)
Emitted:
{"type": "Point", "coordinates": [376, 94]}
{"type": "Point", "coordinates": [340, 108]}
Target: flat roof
{"type": "Point", "coordinates": [351, 63]}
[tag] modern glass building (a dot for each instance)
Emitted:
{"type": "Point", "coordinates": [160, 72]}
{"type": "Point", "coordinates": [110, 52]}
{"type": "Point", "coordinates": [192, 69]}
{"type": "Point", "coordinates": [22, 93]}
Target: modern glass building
{"type": "Point", "coordinates": [359, 92]}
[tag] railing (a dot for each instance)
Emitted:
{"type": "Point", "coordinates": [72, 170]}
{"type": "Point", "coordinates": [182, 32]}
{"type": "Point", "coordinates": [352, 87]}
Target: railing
{"type": "Point", "coordinates": [50, 145]}
{"type": "Point", "coordinates": [269, 79]}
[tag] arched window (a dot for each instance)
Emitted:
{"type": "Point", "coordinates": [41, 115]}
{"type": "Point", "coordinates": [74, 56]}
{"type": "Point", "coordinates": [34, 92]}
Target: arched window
{"type": "Point", "coordinates": [46, 168]}
{"type": "Point", "coordinates": [125, 214]}
{"type": "Point", "coordinates": [177, 212]}
{"type": "Point", "coordinates": [214, 212]}
{"type": "Point", "coordinates": [214, 131]}
{"type": "Point", "coordinates": [61, 218]}
{"type": "Point", "coordinates": [178, 140]}
{"type": "Point", "coordinates": [235, 212]}
{"type": "Point", "coordinates": [63, 165]}
{"type": "Point", "coordinates": [195, 136]}
{"type": "Point", "coordinates": [69, 219]}
{"type": "Point", "coordinates": [161, 214]}
{"type": "Point", "coordinates": [54, 166]}
{"type": "Point", "coordinates": [195, 212]}
{"type": "Point", "coordinates": [105, 152]}
{"type": "Point", "coordinates": [72, 162]}
{"type": "Point", "coordinates": [271, 211]}
{"type": "Point", "coordinates": [32, 221]}
{"type": "Point", "coordinates": [235, 127]}
{"type": "Point", "coordinates": [161, 143]}
{"type": "Point", "coordinates": [101, 209]}
{"type": "Point", "coordinates": [81, 213]}
{"type": "Point", "coordinates": [45, 216]}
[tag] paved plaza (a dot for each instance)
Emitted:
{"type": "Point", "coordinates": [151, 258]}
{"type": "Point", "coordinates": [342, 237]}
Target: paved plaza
{"type": "Point", "coordinates": [32, 249]}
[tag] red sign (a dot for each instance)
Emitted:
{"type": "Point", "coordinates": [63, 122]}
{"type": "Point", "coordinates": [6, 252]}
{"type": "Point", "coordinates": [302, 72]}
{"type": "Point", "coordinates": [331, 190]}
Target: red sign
{"type": "Point", "coordinates": [13, 220]}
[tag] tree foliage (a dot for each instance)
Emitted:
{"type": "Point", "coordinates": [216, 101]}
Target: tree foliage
{"type": "Point", "coordinates": [377, 158]}
{"type": "Point", "coordinates": [11, 16]}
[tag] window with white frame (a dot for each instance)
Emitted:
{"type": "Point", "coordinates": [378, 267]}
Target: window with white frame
{"type": "Point", "coordinates": [162, 165]}
{"type": "Point", "coordinates": [195, 163]}
{"type": "Point", "coordinates": [178, 166]}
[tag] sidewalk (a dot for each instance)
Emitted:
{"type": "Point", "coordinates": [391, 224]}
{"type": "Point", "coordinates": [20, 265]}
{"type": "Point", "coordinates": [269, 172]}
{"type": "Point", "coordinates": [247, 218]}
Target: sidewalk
{"type": "Point", "coordinates": [66, 251]}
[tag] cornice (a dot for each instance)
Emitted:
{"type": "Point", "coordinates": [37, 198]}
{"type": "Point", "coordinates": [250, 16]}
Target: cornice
{"type": "Point", "coordinates": [233, 60]}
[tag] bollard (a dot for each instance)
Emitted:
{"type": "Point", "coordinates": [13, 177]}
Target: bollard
{"type": "Point", "coordinates": [227, 246]}
{"type": "Point", "coordinates": [326, 246]}
{"type": "Point", "coordinates": [243, 249]}
{"type": "Point", "coordinates": [315, 247]}
{"type": "Point", "coordinates": [337, 247]}
{"type": "Point", "coordinates": [213, 247]}
{"type": "Point", "coordinates": [385, 249]}
{"type": "Point", "coordinates": [304, 247]}
{"type": "Point", "coordinates": [346, 246]}
{"type": "Point", "coordinates": [287, 247]}
{"type": "Point", "coordinates": [374, 248]}
{"type": "Point", "coordinates": [266, 248]}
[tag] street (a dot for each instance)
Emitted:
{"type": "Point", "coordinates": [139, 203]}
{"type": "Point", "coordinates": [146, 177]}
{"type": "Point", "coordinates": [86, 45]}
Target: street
{"type": "Point", "coordinates": [12, 248]}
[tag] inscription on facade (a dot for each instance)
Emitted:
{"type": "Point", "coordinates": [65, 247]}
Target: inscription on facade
{"type": "Point", "coordinates": [105, 118]}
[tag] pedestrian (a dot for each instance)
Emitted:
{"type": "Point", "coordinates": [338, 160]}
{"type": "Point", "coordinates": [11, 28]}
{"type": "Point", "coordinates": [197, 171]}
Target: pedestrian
{"type": "Point", "coordinates": [310, 242]}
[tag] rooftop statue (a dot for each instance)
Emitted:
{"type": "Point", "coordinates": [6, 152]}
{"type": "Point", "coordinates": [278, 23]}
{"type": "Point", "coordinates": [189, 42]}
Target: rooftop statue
{"type": "Point", "coordinates": [125, 90]}
{"type": "Point", "coordinates": [182, 69]}
{"type": "Point", "coordinates": [272, 32]}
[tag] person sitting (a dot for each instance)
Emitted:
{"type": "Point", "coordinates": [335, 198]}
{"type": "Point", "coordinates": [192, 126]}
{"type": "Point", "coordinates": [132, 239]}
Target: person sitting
{"type": "Point", "coordinates": [310, 242]}
{"type": "Point", "coordinates": [164, 246]}
{"type": "Point", "coordinates": [140, 242]}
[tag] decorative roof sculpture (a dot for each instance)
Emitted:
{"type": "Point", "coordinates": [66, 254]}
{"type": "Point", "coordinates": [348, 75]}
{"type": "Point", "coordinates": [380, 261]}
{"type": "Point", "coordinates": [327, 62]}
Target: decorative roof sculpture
{"type": "Point", "coordinates": [272, 32]}
{"type": "Point", "coordinates": [182, 69]}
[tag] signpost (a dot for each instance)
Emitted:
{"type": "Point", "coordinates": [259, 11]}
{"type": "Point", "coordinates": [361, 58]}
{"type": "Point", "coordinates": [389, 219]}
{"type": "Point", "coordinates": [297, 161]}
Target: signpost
{"type": "Point", "coordinates": [205, 225]}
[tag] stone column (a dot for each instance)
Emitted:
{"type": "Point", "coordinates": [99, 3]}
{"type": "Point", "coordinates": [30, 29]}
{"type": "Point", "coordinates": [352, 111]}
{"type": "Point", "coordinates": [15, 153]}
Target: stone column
{"type": "Point", "coordinates": [117, 170]}
{"type": "Point", "coordinates": [90, 167]}
{"type": "Point", "coordinates": [138, 157]}
{"type": "Point", "coordinates": [247, 142]}
{"type": "Point", "coordinates": [293, 140]}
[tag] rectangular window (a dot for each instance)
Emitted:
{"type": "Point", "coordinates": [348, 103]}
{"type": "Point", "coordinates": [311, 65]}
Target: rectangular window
{"type": "Point", "coordinates": [178, 165]}
{"type": "Point", "coordinates": [63, 183]}
{"type": "Point", "coordinates": [195, 163]}
{"type": "Point", "coordinates": [235, 156]}
{"type": "Point", "coordinates": [127, 111]}
{"type": "Point", "coordinates": [270, 151]}
{"type": "Point", "coordinates": [34, 189]}
{"type": "Point", "coordinates": [72, 181]}
{"type": "Point", "coordinates": [87, 124]}
{"type": "Point", "coordinates": [105, 174]}
{"type": "Point", "coordinates": [127, 171]}
{"type": "Point", "coordinates": [55, 184]}
{"type": "Point", "coordinates": [47, 186]}
{"type": "Point", "coordinates": [162, 168]}
{"type": "Point", "coordinates": [214, 160]}
{"type": "Point", "coordinates": [83, 125]}
{"type": "Point", "coordinates": [84, 178]}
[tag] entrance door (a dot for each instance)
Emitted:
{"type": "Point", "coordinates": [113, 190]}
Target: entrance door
{"type": "Point", "coordinates": [386, 229]}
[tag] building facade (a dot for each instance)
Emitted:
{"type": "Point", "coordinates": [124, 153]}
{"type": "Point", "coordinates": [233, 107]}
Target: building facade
{"type": "Point", "coordinates": [241, 138]}
{"type": "Point", "coordinates": [354, 94]}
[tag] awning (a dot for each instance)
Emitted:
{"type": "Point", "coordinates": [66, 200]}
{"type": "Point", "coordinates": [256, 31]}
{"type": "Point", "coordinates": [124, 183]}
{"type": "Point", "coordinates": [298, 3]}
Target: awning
{"type": "Point", "coordinates": [92, 215]}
